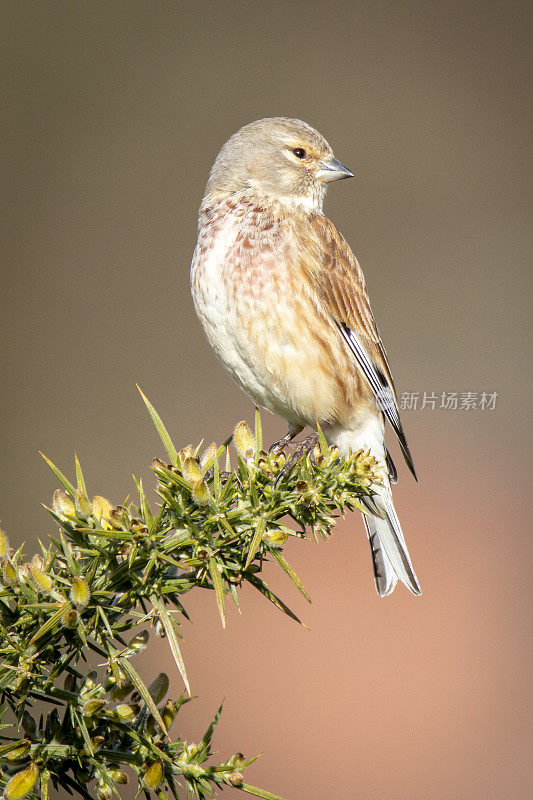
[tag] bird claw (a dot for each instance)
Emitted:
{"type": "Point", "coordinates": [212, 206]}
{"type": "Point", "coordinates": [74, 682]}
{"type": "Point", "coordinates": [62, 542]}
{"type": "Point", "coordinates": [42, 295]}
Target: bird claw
{"type": "Point", "coordinates": [210, 474]}
{"type": "Point", "coordinates": [305, 447]}
{"type": "Point", "coordinates": [280, 445]}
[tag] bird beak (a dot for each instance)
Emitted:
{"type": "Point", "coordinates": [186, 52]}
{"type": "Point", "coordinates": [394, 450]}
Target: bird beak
{"type": "Point", "coordinates": [332, 169]}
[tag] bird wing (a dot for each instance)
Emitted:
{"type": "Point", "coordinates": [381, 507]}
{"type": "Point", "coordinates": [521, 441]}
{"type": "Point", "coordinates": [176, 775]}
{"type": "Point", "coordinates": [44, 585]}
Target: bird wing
{"type": "Point", "coordinates": [339, 282]}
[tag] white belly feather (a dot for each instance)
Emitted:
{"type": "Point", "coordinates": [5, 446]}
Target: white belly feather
{"type": "Point", "coordinates": [217, 310]}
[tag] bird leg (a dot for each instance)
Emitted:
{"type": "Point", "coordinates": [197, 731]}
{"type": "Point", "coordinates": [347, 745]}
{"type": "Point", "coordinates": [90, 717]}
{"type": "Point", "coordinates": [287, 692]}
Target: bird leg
{"type": "Point", "coordinates": [293, 431]}
{"type": "Point", "coordinates": [306, 446]}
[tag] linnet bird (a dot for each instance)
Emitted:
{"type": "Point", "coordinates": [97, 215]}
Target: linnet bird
{"type": "Point", "coordinates": [284, 304]}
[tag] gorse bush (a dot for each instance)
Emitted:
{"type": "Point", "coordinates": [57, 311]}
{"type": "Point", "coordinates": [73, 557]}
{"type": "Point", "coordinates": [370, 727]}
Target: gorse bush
{"type": "Point", "coordinates": [112, 568]}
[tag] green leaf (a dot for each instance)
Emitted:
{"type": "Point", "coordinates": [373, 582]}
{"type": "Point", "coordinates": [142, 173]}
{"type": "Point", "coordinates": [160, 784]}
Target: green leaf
{"type": "Point", "coordinates": [145, 508]}
{"type": "Point", "coordinates": [233, 590]}
{"type": "Point", "coordinates": [208, 735]}
{"type": "Point", "coordinates": [256, 541]}
{"type": "Point", "coordinates": [72, 564]}
{"type": "Point", "coordinates": [59, 475]}
{"type": "Point", "coordinates": [172, 787]}
{"type": "Point", "coordinates": [100, 612]}
{"type": "Point", "coordinates": [51, 622]}
{"type": "Point", "coordinates": [168, 623]}
{"type": "Point", "coordinates": [218, 584]}
{"type": "Point", "coordinates": [162, 431]}
{"type": "Point", "coordinates": [228, 461]}
{"type": "Point", "coordinates": [269, 594]}
{"type": "Point", "coordinates": [216, 477]}
{"type": "Point", "coordinates": [171, 477]}
{"type": "Point", "coordinates": [260, 792]}
{"type": "Point", "coordinates": [229, 489]}
{"type": "Point", "coordinates": [291, 573]}
{"type": "Point", "coordinates": [65, 781]}
{"type": "Point", "coordinates": [80, 725]}
{"type": "Point", "coordinates": [324, 448]}
{"type": "Point", "coordinates": [133, 675]}
{"type": "Point", "coordinates": [79, 476]}
{"type": "Point", "coordinates": [258, 434]}
{"type": "Point", "coordinates": [44, 784]}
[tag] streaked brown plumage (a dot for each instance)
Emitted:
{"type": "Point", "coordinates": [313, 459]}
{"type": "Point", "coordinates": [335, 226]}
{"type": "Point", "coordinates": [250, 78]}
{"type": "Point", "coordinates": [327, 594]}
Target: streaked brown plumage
{"type": "Point", "coordinates": [283, 302]}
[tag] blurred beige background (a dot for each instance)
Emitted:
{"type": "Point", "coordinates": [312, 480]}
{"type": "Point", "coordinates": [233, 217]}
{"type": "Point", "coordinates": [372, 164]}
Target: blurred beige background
{"type": "Point", "coordinates": [112, 115]}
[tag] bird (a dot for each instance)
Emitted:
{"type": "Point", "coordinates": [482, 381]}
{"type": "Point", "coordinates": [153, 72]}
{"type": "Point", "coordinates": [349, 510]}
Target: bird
{"type": "Point", "coordinates": [284, 304]}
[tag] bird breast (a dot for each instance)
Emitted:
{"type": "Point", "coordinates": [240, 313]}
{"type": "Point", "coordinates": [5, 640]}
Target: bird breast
{"type": "Point", "coordinates": [261, 317]}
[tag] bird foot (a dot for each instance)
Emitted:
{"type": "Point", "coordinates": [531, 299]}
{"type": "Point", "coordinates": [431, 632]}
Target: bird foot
{"type": "Point", "coordinates": [304, 447]}
{"type": "Point", "coordinates": [281, 443]}
{"type": "Point", "coordinates": [210, 474]}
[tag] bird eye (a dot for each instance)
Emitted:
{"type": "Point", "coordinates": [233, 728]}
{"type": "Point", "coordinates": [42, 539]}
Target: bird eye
{"type": "Point", "coordinates": [299, 152]}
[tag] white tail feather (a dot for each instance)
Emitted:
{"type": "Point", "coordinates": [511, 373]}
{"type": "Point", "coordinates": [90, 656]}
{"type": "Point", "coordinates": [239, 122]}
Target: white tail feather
{"type": "Point", "coordinates": [390, 556]}
{"type": "Point", "coordinates": [384, 576]}
{"type": "Point", "coordinates": [389, 552]}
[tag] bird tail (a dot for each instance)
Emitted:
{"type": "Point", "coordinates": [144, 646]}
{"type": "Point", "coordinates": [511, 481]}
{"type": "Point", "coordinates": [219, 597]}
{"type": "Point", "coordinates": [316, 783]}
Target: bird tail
{"type": "Point", "coordinates": [390, 556]}
{"type": "Point", "coordinates": [389, 552]}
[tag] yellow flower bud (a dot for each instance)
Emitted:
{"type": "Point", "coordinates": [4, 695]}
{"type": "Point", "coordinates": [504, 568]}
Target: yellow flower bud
{"type": "Point", "coordinates": [90, 680]}
{"type": "Point", "coordinates": [79, 592]}
{"type": "Point", "coordinates": [116, 518]}
{"type": "Point", "coordinates": [96, 742]}
{"type": "Point", "coordinates": [41, 581]}
{"type": "Point", "coordinates": [4, 544]}
{"type": "Point", "coordinates": [168, 713]}
{"type": "Point", "coordinates": [199, 493]}
{"type": "Point", "coordinates": [318, 458]}
{"type": "Point", "coordinates": [82, 505]}
{"type": "Point", "coordinates": [334, 452]}
{"type": "Point", "coordinates": [275, 537]}
{"type": "Point", "coordinates": [118, 775]}
{"type": "Point", "coordinates": [125, 712]}
{"type": "Point", "coordinates": [139, 641]}
{"type": "Point", "coordinates": [104, 792]}
{"type": "Point", "coordinates": [280, 460]}
{"type": "Point", "coordinates": [150, 727]}
{"type": "Point", "coordinates": [9, 573]}
{"type": "Point", "coordinates": [22, 783]}
{"type": "Point", "coordinates": [139, 527]}
{"type": "Point", "coordinates": [21, 674]}
{"type": "Point", "coordinates": [122, 691]}
{"type": "Point", "coordinates": [235, 779]}
{"type": "Point", "coordinates": [186, 452]}
{"type": "Point", "coordinates": [101, 511]}
{"type": "Point", "coordinates": [70, 618]}
{"type": "Point", "coordinates": [19, 750]}
{"type": "Point", "coordinates": [159, 687]}
{"type": "Point", "coordinates": [208, 456]}
{"type": "Point", "coordinates": [92, 707]}
{"type": "Point", "coordinates": [244, 441]}
{"type": "Point", "coordinates": [191, 471]}
{"type": "Point", "coordinates": [63, 504]}
{"type": "Point", "coordinates": [153, 775]}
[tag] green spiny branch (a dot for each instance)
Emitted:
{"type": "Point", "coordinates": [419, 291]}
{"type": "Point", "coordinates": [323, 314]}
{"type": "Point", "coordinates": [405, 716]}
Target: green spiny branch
{"type": "Point", "coordinates": [110, 569]}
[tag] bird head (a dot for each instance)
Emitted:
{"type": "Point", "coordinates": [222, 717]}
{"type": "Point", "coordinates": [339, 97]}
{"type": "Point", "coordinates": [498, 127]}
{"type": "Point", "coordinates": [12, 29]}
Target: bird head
{"type": "Point", "coordinates": [279, 159]}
